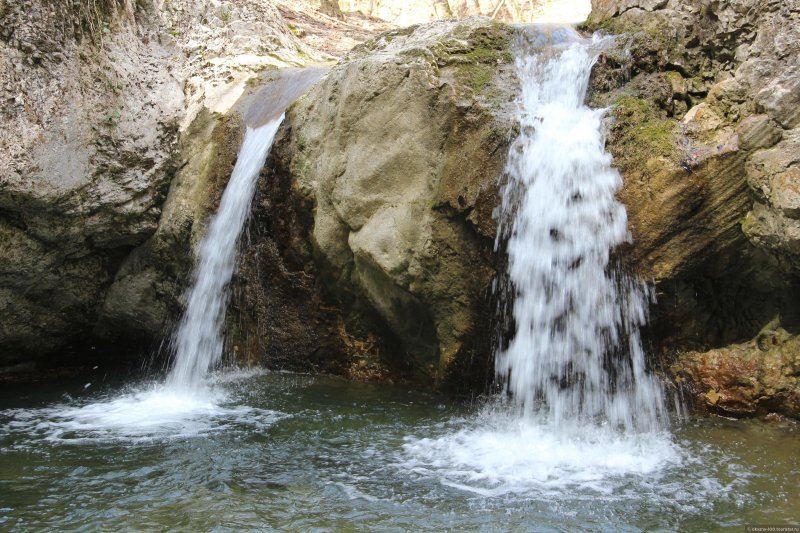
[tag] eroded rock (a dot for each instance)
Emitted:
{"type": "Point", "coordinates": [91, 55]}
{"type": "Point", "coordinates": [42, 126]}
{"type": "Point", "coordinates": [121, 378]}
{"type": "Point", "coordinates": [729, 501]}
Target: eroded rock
{"type": "Point", "coordinates": [755, 378]}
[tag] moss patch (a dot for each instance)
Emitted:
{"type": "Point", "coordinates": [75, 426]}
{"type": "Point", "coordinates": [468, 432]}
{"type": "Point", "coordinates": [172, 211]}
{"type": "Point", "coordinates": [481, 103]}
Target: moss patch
{"type": "Point", "coordinates": [639, 133]}
{"type": "Point", "coordinates": [475, 76]}
{"type": "Point", "coordinates": [483, 45]}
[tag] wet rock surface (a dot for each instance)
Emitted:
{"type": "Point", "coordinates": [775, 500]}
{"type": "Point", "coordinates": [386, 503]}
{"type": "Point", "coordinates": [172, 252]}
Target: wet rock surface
{"type": "Point", "coordinates": [703, 129]}
{"type": "Point", "coordinates": [371, 248]}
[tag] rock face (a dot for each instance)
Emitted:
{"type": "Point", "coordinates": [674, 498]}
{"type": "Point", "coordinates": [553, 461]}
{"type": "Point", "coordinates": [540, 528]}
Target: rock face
{"type": "Point", "coordinates": [704, 128]}
{"type": "Point", "coordinates": [754, 378]}
{"type": "Point", "coordinates": [371, 247]}
{"type": "Point", "coordinates": [395, 157]}
{"type": "Point", "coordinates": [90, 120]}
{"type": "Point", "coordinates": [112, 150]}
{"type": "Point", "coordinates": [391, 165]}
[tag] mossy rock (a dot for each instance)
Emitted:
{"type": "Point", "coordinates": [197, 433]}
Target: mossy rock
{"type": "Point", "coordinates": [640, 133]}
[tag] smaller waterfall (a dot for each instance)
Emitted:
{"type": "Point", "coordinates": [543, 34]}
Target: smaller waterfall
{"type": "Point", "coordinates": [191, 401]}
{"type": "Point", "coordinates": [198, 340]}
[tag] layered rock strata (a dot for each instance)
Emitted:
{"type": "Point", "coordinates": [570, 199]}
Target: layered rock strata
{"type": "Point", "coordinates": [703, 104]}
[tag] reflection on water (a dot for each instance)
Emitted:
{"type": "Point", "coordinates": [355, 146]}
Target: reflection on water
{"type": "Point", "coordinates": [296, 452]}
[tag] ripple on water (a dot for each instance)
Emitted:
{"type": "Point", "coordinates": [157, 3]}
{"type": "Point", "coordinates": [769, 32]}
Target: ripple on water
{"type": "Point", "coordinates": [348, 455]}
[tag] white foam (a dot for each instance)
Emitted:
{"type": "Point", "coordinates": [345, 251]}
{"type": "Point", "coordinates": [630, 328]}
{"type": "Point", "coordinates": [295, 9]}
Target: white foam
{"type": "Point", "coordinates": [150, 413]}
{"type": "Point", "coordinates": [495, 455]}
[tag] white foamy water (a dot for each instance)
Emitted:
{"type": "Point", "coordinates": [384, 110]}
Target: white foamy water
{"type": "Point", "coordinates": [198, 339]}
{"type": "Point", "coordinates": [582, 412]}
{"type": "Point", "coordinates": [576, 354]}
{"type": "Point", "coordinates": [145, 414]}
{"type": "Point", "coordinates": [499, 453]}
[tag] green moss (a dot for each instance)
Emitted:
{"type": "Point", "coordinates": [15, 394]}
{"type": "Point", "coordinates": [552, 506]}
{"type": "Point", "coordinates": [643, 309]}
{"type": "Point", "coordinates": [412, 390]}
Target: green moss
{"type": "Point", "coordinates": [486, 44]}
{"type": "Point", "coordinates": [639, 133]}
{"type": "Point", "coordinates": [475, 76]}
{"type": "Point", "coordinates": [490, 55]}
{"type": "Point", "coordinates": [475, 54]}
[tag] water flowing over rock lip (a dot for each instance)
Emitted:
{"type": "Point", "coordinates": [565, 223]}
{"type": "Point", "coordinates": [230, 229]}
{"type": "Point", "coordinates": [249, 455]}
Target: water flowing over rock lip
{"type": "Point", "coordinates": [276, 92]}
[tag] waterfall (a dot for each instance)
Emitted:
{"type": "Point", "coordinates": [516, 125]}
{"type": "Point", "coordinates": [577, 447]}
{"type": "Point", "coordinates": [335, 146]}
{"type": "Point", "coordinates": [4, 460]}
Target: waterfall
{"type": "Point", "coordinates": [576, 353]}
{"type": "Point", "coordinates": [581, 414]}
{"type": "Point", "coordinates": [198, 339]}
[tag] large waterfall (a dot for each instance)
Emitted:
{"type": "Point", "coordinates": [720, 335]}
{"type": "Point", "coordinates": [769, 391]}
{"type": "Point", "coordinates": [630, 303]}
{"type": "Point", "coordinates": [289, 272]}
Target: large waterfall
{"type": "Point", "coordinates": [582, 412]}
{"type": "Point", "coordinates": [198, 339]}
{"type": "Point", "coordinates": [576, 354]}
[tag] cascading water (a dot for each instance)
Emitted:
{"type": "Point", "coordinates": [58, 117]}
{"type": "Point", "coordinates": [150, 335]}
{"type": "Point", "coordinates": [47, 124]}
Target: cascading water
{"type": "Point", "coordinates": [576, 355]}
{"type": "Point", "coordinates": [584, 412]}
{"type": "Point", "coordinates": [198, 339]}
{"type": "Point", "coordinates": [184, 405]}
{"type": "Point", "coordinates": [191, 401]}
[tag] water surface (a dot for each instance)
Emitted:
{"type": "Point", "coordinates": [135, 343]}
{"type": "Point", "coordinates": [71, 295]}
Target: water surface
{"type": "Point", "coordinates": [294, 452]}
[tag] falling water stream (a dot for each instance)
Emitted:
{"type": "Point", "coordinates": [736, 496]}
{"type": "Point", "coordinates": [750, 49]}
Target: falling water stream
{"type": "Point", "coordinates": [187, 403]}
{"type": "Point", "coordinates": [576, 356]}
{"type": "Point", "coordinates": [198, 340]}
{"type": "Point", "coordinates": [581, 408]}
{"type": "Point", "coordinates": [579, 441]}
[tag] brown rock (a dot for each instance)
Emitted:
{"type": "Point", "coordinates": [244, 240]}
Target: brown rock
{"type": "Point", "coordinates": [758, 377]}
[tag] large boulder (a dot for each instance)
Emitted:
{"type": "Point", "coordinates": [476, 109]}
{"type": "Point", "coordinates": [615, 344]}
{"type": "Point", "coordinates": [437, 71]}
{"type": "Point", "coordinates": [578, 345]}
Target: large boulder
{"type": "Point", "coordinates": [395, 158]}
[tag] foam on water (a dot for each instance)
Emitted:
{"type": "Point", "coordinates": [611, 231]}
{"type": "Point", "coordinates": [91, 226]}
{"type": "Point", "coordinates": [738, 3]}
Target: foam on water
{"type": "Point", "coordinates": [144, 414]}
{"type": "Point", "coordinates": [499, 453]}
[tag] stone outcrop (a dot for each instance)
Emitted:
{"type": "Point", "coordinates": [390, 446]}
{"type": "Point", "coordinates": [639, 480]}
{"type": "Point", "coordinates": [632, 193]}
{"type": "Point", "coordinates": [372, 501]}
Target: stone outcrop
{"type": "Point", "coordinates": [703, 112]}
{"type": "Point", "coordinates": [754, 378]}
{"type": "Point", "coordinates": [393, 164]}
{"type": "Point", "coordinates": [395, 158]}
{"type": "Point", "coordinates": [90, 118]}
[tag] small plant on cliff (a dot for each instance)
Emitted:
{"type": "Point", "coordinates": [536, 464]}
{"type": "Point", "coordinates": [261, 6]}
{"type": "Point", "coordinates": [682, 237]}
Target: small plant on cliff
{"type": "Point", "coordinates": [90, 18]}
